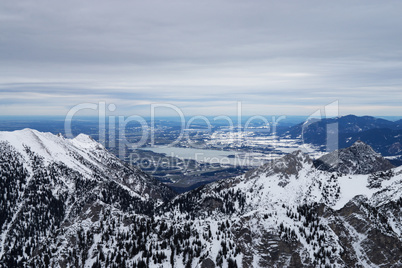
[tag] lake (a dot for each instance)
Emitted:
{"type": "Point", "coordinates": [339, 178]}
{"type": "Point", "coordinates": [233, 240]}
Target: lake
{"type": "Point", "coordinates": [208, 155]}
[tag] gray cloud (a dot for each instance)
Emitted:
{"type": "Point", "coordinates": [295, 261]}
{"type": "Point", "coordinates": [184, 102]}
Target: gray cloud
{"type": "Point", "coordinates": [276, 57]}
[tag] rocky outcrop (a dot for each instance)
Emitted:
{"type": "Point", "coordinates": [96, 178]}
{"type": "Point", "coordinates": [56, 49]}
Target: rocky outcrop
{"type": "Point", "coordinates": [357, 159]}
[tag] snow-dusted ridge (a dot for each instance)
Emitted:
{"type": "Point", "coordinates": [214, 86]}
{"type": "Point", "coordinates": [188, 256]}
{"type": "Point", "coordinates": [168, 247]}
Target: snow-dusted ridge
{"type": "Point", "coordinates": [359, 158]}
{"type": "Point", "coordinates": [47, 181]}
{"type": "Point", "coordinates": [291, 200]}
{"type": "Point", "coordinates": [293, 179]}
{"type": "Point", "coordinates": [81, 154]}
{"type": "Point", "coordinates": [70, 203]}
{"type": "Point", "coordinates": [53, 148]}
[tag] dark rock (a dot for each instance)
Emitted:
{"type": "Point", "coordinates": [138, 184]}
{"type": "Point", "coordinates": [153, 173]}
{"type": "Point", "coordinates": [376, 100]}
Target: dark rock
{"type": "Point", "coordinates": [357, 159]}
{"type": "Point", "coordinates": [208, 263]}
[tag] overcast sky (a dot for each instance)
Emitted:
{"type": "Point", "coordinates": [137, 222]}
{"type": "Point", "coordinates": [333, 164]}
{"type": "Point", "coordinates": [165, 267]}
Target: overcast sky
{"type": "Point", "coordinates": [276, 57]}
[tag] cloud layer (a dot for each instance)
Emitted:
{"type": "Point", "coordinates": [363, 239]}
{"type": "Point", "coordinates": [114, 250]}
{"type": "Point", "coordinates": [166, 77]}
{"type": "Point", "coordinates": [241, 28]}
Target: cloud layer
{"type": "Point", "coordinates": [276, 57]}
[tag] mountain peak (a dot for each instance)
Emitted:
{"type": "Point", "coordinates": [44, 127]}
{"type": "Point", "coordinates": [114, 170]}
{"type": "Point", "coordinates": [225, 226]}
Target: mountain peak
{"type": "Point", "coordinates": [290, 164]}
{"type": "Point", "coordinates": [360, 147]}
{"type": "Point", "coordinates": [81, 155]}
{"type": "Point", "coordinates": [84, 138]}
{"type": "Point", "coordinates": [359, 158]}
{"type": "Point", "coordinates": [86, 142]}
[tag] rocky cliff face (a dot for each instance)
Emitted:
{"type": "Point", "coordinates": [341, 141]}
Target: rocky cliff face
{"type": "Point", "coordinates": [69, 203]}
{"type": "Point", "coordinates": [357, 159]}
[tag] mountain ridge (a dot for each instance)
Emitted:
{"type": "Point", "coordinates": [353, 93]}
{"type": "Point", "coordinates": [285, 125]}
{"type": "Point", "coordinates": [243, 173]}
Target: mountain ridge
{"type": "Point", "coordinates": [359, 158]}
{"type": "Point", "coordinates": [98, 212]}
{"type": "Point", "coordinates": [383, 135]}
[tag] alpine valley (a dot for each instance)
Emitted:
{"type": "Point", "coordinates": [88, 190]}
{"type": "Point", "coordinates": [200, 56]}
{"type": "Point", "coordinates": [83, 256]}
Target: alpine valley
{"type": "Point", "coordinates": [71, 203]}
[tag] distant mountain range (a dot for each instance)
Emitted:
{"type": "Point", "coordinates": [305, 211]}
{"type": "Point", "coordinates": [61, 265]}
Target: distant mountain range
{"type": "Point", "coordinates": [384, 136]}
{"type": "Point", "coordinates": [71, 203]}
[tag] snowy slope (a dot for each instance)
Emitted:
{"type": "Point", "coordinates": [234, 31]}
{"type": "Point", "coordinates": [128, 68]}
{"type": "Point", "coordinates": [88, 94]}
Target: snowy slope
{"type": "Point", "coordinates": [48, 181]}
{"type": "Point", "coordinates": [290, 200]}
{"type": "Point", "coordinates": [81, 154]}
{"type": "Point", "coordinates": [70, 203]}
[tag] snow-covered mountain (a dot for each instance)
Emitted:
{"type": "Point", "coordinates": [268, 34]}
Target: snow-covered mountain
{"type": "Point", "coordinates": [357, 159]}
{"type": "Point", "coordinates": [289, 213]}
{"type": "Point", "coordinates": [383, 135]}
{"type": "Point", "coordinates": [70, 203]}
{"type": "Point", "coordinates": [47, 182]}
